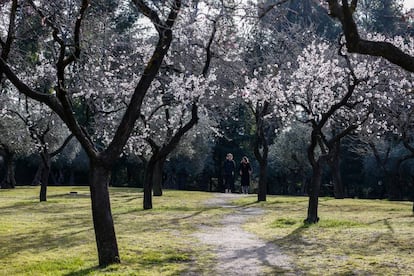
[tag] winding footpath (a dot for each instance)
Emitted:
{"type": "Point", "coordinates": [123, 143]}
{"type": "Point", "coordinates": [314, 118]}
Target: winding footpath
{"type": "Point", "coordinates": [237, 251]}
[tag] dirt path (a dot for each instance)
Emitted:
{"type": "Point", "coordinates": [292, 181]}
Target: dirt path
{"type": "Point", "coordinates": [239, 252]}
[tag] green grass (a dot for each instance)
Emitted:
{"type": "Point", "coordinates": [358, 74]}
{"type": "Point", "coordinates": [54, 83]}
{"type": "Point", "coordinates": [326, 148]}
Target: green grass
{"type": "Point", "coordinates": [57, 238]}
{"type": "Point", "coordinates": [353, 237]}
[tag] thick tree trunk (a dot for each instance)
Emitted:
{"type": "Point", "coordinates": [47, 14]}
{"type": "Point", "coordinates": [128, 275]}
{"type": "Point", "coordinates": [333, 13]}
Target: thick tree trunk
{"type": "Point", "coordinates": [314, 188]}
{"type": "Point", "coordinates": [262, 192]}
{"type": "Point", "coordinates": [9, 182]}
{"type": "Point", "coordinates": [157, 177]}
{"type": "Point", "coordinates": [102, 217]}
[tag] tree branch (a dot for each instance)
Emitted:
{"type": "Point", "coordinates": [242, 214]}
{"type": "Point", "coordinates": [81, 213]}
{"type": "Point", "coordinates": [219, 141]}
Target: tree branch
{"type": "Point", "coordinates": [270, 7]}
{"type": "Point", "coordinates": [355, 44]}
{"type": "Point", "coordinates": [60, 149]}
{"type": "Point", "coordinates": [6, 45]}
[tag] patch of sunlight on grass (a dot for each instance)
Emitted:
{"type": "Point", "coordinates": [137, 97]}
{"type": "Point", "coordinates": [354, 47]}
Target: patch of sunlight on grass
{"type": "Point", "coordinates": [52, 267]}
{"type": "Point", "coordinates": [353, 237]}
{"type": "Point", "coordinates": [332, 223]}
{"type": "Point", "coordinates": [156, 257]}
{"type": "Point", "coordinates": [57, 237]}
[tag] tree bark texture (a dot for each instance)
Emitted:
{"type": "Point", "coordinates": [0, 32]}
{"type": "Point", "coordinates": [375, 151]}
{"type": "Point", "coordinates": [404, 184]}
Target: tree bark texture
{"type": "Point", "coordinates": [102, 217]}
{"type": "Point", "coordinates": [261, 149]}
{"type": "Point", "coordinates": [261, 196]}
{"type": "Point", "coordinates": [46, 160]}
{"type": "Point", "coordinates": [314, 189]}
{"type": "Point", "coordinates": [157, 177]}
{"type": "Point", "coordinates": [148, 183]}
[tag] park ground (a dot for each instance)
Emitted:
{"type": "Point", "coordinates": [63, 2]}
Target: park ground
{"type": "Point", "coordinates": [199, 233]}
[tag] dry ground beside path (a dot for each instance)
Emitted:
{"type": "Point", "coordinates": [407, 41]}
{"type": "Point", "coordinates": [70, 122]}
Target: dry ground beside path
{"type": "Point", "coordinates": [237, 251]}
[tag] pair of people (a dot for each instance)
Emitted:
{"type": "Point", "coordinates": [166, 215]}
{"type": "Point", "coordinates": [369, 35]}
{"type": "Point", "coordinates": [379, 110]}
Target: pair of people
{"type": "Point", "coordinates": [245, 171]}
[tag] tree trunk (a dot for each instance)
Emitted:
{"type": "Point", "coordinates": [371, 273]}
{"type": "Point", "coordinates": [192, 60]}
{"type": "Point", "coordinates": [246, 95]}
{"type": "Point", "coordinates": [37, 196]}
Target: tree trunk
{"type": "Point", "coordinates": [157, 175]}
{"type": "Point", "coordinates": [339, 191]}
{"type": "Point", "coordinates": [148, 183]}
{"type": "Point", "coordinates": [102, 217]}
{"type": "Point", "coordinates": [38, 176]}
{"type": "Point", "coordinates": [262, 192]}
{"type": "Point", "coordinates": [314, 188]}
{"type": "Point", "coordinates": [9, 182]}
{"type": "Point", "coordinates": [338, 186]}
{"type": "Point", "coordinates": [45, 176]}
{"type": "Point", "coordinates": [261, 155]}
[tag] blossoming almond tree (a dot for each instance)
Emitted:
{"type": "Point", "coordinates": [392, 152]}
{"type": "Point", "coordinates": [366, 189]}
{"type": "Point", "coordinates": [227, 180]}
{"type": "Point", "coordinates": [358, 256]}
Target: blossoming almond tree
{"type": "Point", "coordinates": [14, 141]}
{"type": "Point", "coordinates": [61, 31]}
{"type": "Point", "coordinates": [264, 95]}
{"type": "Point", "coordinates": [330, 91]}
{"type": "Point", "coordinates": [164, 122]}
{"type": "Point", "coordinates": [49, 136]}
{"type": "Point", "coordinates": [391, 120]}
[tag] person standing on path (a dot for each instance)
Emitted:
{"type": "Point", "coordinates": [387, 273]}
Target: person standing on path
{"type": "Point", "coordinates": [229, 170]}
{"type": "Point", "coordinates": [245, 172]}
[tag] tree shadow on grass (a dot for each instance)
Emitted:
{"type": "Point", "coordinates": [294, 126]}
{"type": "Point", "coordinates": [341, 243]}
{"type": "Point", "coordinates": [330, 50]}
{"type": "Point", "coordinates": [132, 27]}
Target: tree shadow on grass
{"type": "Point", "coordinates": [85, 271]}
{"type": "Point", "coordinates": [295, 240]}
{"type": "Point", "coordinates": [41, 240]}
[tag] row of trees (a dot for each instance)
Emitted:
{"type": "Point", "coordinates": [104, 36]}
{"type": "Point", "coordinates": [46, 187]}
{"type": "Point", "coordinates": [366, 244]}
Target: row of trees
{"type": "Point", "coordinates": [151, 79]}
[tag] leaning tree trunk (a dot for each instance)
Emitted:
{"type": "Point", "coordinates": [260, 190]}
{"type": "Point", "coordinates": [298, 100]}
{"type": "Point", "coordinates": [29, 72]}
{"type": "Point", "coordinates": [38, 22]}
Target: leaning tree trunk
{"type": "Point", "coordinates": [9, 182]}
{"type": "Point", "coordinates": [102, 217]}
{"type": "Point", "coordinates": [45, 176]}
{"type": "Point", "coordinates": [314, 189]}
{"type": "Point", "coordinates": [157, 174]}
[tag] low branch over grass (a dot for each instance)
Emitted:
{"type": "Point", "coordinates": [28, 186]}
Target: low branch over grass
{"type": "Point", "coordinates": [356, 44]}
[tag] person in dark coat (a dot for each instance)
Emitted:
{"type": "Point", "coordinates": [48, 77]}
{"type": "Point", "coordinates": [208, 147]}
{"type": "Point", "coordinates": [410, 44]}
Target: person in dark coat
{"type": "Point", "coordinates": [229, 169]}
{"type": "Point", "coordinates": [245, 172]}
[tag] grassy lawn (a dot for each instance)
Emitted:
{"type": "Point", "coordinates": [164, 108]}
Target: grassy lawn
{"type": "Point", "coordinates": [353, 237]}
{"type": "Point", "coordinates": [57, 238]}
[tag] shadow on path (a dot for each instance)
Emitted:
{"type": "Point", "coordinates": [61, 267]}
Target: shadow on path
{"type": "Point", "coordinates": [237, 251]}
